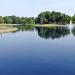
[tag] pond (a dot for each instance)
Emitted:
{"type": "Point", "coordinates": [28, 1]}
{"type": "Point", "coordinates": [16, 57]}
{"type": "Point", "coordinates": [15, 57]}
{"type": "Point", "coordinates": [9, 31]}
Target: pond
{"type": "Point", "coordinates": [38, 51]}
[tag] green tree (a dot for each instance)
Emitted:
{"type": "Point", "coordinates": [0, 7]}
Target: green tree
{"type": "Point", "coordinates": [16, 20]}
{"type": "Point", "coordinates": [26, 20]}
{"type": "Point", "coordinates": [73, 19]}
{"type": "Point", "coordinates": [8, 20]}
{"type": "Point", "coordinates": [52, 17]}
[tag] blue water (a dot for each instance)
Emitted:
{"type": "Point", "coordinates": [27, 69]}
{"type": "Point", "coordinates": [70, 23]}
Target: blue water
{"type": "Point", "coordinates": [40, 51]}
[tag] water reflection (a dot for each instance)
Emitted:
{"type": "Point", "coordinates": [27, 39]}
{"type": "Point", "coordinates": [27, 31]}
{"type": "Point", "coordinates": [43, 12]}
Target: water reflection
{"type": "Point", "coordinates": [47, 33]}
{"type": "Point", "coordinates": [73, 30]}
{"type": "Point", "coordinates": [53, 32]}
{"type": "Point", "coordinates": [25, 28]}
{"type": "Point", "coordinates": [23, 53]}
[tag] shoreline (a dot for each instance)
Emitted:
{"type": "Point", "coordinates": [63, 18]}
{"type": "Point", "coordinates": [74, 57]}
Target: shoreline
{"type": "Point", "coordinates": [35, 25]}
{"type": "Point", "coordinates": [9, 24]}
{"type": "Point", "coordinates": [7, 28]}
{"type": "Point", "coordinates": [50, 25]}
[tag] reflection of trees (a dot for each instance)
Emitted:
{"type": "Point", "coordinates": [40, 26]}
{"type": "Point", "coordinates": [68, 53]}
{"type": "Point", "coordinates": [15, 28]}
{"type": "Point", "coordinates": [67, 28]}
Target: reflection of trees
{"type": "Point", "coordinates": [25, 28]}
{"type": "Point", "coordinates": [53, 32]}
{"type": "Point", "coordinates": [73, 31]}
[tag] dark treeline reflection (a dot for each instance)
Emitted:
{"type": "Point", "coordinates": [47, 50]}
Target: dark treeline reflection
{"type": "Point", "coordinates": [73, 30]}
{"type": "Point", "coordinates": [53, 32]}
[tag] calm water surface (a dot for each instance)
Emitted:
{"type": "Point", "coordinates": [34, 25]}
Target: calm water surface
{"type": "Point", "coordinates": [38, 51]}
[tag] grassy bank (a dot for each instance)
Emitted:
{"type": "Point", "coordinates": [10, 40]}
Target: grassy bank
{"type": "Point", "coordinates": [7, 28]}
{"type": "Point", "coordinates": [48, 25]}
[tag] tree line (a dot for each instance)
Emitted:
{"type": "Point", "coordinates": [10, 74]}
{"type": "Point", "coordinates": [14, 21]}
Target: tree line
{"type": "Point", "coordinates": [16, 20]}
{"type": "Point", "coordinates": [43, 18]}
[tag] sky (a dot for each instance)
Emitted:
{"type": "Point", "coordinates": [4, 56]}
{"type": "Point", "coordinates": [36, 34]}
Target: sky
{"type": "Point", "coordinates": [31, 8]}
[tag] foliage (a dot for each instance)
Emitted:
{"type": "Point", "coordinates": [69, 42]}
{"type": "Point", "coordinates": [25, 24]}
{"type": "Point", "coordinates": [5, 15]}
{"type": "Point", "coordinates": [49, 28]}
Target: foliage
{"type": "Point", "coordinates": [73, 19]}
{"type": "Point", "coordinates": [8, 20]}
{"type": "Point", "coordinates": [26, 20]}
{"type": "Point", "coordinates": [52, 17]}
